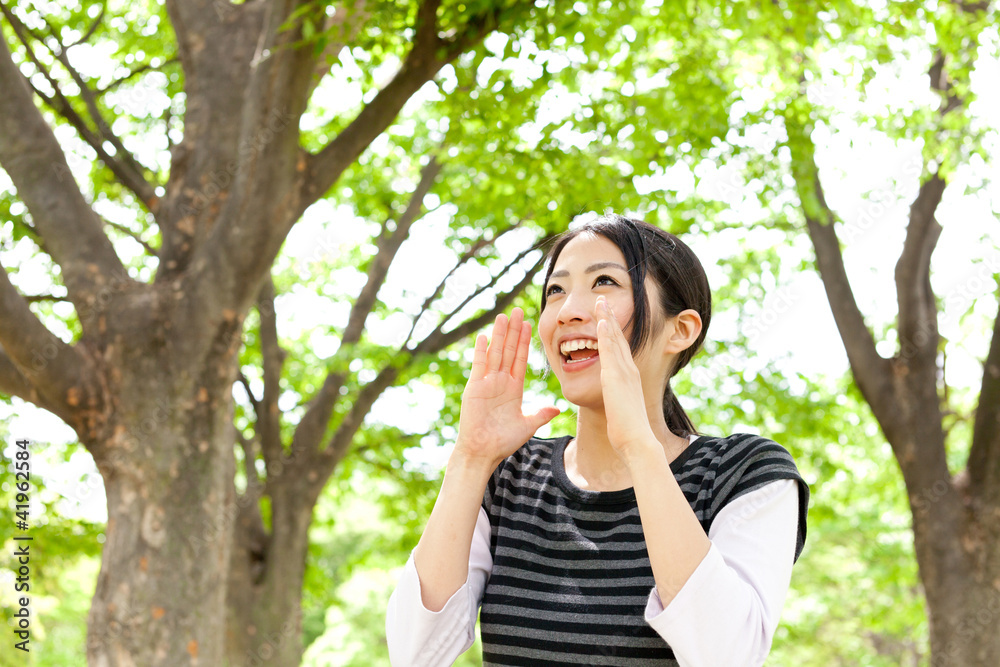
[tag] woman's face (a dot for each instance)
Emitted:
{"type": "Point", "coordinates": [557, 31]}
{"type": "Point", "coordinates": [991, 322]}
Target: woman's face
{"type": "Point", "coordinates": [589, 266]}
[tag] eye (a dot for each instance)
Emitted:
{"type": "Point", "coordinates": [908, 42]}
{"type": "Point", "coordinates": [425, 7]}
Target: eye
{"type": "Point", "coordinates": [599, 279]}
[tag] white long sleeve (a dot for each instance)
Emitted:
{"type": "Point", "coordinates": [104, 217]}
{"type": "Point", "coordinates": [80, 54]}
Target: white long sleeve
{"type": "Point", "coordinates": [419, 637]}
{"type": "Point", "coordinates": [728, 608]}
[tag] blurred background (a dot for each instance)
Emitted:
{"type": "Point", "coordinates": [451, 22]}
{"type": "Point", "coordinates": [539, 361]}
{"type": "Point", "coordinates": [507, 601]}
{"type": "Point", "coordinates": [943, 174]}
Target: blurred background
{"type": "Point", "coordinates": [423, 200]}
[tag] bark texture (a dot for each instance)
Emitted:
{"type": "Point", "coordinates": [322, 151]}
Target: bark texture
{"type": "Point", "coordinates": [190, 574]}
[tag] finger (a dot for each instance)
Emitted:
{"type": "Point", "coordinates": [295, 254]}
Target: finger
{"type": "Point", "coordinates": [605, 341]}
{"type": "Point", "coordinates": [619, 332]}
{"type": "Point", "coordinates": [521, 362]}
{"type": "Point", "coordinates": [611, 343]}
{"type": "Point", "coordinates": [616, 328]}
{"type": "Point", "coordinates": [512, 340]}
{"type": "Point", "coordinates": [495, 353]}
{"type": "Point", "coordinates": [610, 314]}
{"type": "Point", "coordinates": [479, 359]}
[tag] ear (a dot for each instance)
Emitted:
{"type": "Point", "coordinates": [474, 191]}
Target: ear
{"type": "Point", "coordinates": [686, 327]}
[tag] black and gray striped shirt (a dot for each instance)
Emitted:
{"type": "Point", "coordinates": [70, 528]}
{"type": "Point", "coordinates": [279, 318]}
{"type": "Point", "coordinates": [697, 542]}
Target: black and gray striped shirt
{"type": "Point", "coordinates": [571, 575]}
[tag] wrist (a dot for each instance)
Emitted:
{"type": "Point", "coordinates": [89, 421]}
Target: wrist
{"type": "Point", "coordinates": [641, 453]}
{"type": "Point", "coordinates": [464, 464]}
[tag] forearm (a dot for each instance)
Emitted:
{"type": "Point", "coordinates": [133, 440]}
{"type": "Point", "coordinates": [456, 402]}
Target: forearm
{"type": "Point", "coordinates": [675, 540]}
{"type": "Point", "coordinates": [441, 556]}
{"type": "Point", "coordinates": [418, 637]}
{"type": "Point", "coordinates": [729, 609]}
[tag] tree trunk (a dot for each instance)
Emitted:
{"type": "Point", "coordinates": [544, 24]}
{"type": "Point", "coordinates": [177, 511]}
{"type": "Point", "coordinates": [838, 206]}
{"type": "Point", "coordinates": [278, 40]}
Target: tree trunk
{"type": "Point", "coordinates": [166, 455]}
{"type": "Point", "coordinates": [189, 572]}
{"type": "Point", "coordinates": [963, 618]}
{"type": "Point", "coordinates": [960, 569]}
{"type": "Point", "coordinates": [265, 587]}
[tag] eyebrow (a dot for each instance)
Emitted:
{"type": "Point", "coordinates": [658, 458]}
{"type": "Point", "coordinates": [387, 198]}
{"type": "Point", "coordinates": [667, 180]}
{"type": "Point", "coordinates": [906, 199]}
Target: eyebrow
{"type": "Point", "coordinates": [591, 269]}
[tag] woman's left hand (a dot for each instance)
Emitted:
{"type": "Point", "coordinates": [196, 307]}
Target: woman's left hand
{"type": "Point", "coordinates": [624, 404]}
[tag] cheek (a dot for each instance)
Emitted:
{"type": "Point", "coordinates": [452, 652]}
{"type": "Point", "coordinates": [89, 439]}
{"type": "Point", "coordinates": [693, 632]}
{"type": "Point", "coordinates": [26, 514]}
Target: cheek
{"type": "Point", "coordinates": [545, 331]}
{"type": "Point", "coordinates": [623, 320]}
{"type": "Point", "coordinates": [622, 311]}
{"type": "Point", "coordinates": [545, 324]}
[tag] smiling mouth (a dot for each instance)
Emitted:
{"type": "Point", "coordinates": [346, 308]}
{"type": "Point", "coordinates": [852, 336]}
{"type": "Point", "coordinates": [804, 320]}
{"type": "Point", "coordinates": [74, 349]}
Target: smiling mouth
{"type": "Point", "coordinates": [578, 356]}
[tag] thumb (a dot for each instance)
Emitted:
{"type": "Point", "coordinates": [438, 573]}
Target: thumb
{"type": "Point", "coordinates": [544, 416]}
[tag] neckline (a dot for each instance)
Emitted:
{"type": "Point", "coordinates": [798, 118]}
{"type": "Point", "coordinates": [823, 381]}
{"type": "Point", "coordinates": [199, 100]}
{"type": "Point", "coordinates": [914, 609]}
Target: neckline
{"type": "Point", "coordinates": [606, 497]}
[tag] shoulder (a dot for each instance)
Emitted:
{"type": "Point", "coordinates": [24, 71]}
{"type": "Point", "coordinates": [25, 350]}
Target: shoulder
{"type": "Point", "coordinates": [740, 453]}
{"type": "Point", "coordinates": [745, 462]}
{"type": "Point", "coordinates": [733, 465]}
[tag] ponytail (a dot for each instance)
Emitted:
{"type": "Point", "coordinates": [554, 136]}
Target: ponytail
{"type": "Point", "coordinates": [673, 413]}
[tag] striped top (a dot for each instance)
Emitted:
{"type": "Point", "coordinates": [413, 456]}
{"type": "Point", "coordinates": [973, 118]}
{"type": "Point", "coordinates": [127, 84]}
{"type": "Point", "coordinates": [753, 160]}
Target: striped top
{"type": "Point", "coordinates": [571, 576]}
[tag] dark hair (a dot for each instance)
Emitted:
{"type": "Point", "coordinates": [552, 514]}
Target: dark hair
{"type": "Point", "coordinates": [680, 280]}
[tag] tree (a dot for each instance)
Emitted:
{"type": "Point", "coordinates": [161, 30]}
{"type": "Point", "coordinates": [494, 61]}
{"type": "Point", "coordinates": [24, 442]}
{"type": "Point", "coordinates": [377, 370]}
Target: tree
{"type": "Point", "coordinates": [956, 517]}
{"type": "Point", "coordinates": [148, 381]}
{"type": "Point", "coordinates": [216, 126]}
{"type": "Point", "coordinates": [207, 152]}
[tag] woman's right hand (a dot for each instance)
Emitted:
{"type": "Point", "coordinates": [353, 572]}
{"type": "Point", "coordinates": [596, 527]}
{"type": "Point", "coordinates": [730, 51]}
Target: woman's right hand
{"type": "Point", "coordinates": [491, 425]}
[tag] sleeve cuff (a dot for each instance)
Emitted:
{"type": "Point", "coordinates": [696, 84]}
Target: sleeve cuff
{"type": "Point", "coordinates": [419, 636]}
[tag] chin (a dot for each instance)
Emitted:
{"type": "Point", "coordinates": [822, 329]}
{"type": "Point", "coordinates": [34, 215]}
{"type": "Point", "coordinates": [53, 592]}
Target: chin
{"type": "Point", "coordinates": [583, 398]}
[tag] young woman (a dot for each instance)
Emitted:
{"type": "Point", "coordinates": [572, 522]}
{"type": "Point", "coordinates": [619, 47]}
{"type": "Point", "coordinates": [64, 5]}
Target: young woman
{"type": "Point", "coordinates": [636, 542]}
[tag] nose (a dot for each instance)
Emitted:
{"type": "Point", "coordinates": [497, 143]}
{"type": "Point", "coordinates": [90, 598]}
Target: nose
{"type": "Point", "coordinates": [577, 307]}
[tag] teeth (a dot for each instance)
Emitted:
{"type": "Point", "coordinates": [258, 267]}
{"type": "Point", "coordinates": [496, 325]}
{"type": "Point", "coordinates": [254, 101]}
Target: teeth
{"type": "Point", "coordinates": [577, 344]}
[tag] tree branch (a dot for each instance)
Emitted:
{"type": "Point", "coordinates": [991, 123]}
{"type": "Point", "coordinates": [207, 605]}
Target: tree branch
{"type": "Point", "coordinates": [38, 298]}
{"type": "Point", "coordinates": [147, 67]}
{"type": "Point", "coordinates": [258, 201]}
{"type": "Point", "coordinates": [312, 427]}
{"type": "Point", "coordinates": [388, 246]}
{"type": "Point", "coordinates": [32, 157]}
{"type": "Point", "coordinates": [125, 168]}
{"type": "Point", "coordinates": [251, 538]}
{"type": "Point", "coordinates": [918, 329]}
{"type": "Point", "coordinates": [254, 486]}
{"type": "Point", "coordinates": [250, 395]}
{"type": "Point", "coordinates": [421, 64]}
{"type": "Point", "coordinates": [253, 224]}
{"type": "Point", "coordinates": [922, 450]}
{"type": "Point", "coordinates": [871, 372]}
{"type": "Point", "coordinates": [269, 417]}
{"type": "Point", "coordinates": [469, 253]}
{"type": "Point", "coordinates": [93, 26]}
{"type": "Point", "coordinates": [128, 170]}
{"type": "Point", "coordinates": [984, 457]}
{"type": "Point", "coordinates": [138, 239]}
{"type": "Point", "coordinates": [13, 382]}
{"type": "Point", "coordinates": [55, 375]}
{"type": "Point", "coordinates": [267, 427]}
{"type": "Point", "coordinates": [438, 340]}
{"type": "Point", "coordinates": [216, 46]}
{"type": "Point", "coordinates": [193, 19]}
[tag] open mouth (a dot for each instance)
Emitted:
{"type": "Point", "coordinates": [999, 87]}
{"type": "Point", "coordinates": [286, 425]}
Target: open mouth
{"type": "Point", "coordinates": [579, 356]}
